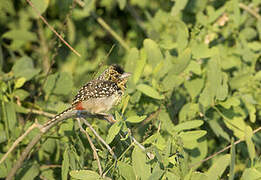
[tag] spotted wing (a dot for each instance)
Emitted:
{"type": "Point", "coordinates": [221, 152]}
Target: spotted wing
{"type": "Point", "coordinates": [95, 89]}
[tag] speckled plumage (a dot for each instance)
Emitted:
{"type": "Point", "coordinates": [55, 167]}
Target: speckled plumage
{"type": "Point", "coordinates": [101, 94]}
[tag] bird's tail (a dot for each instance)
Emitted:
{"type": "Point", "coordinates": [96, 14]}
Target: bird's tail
{"type": "Point", "coordinates": [67, 113]}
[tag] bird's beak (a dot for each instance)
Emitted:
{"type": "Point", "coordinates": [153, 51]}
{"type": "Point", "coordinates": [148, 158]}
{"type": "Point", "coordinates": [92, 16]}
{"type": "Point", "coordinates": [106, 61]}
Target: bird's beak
{"type": "Point", "coordinates": [125, 75]}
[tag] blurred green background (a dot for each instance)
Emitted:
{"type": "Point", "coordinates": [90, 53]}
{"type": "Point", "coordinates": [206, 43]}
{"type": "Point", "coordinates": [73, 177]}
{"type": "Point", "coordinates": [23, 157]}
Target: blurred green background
{"type": "Point", "coordinates": [195, 88]}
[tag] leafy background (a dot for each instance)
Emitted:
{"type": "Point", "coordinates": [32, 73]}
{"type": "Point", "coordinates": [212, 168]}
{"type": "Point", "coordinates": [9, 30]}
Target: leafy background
{"type": "Point", "coordinates": [195, 86]}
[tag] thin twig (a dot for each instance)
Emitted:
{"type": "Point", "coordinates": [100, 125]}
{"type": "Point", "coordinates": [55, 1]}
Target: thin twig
{"type": "Point", "coordinates": [26, 151]}
{"type": "Point", "coordinates": [95, 154]}
{"type": "Point", "coordinates": [151, 116]}
{"type": "Point", "coordinates": [137, 17]}
{"type": "Point", "coordinates": [222, 150]}
{"type": "Point", "coordinates": [17, 141]}
{"type": "Point", "coordinates": [100, 138]}
{"type": "Point", "coordinates": [33, 142]}
{"type": "Point", "coordinates": [149, 154]}
{"type": "Point", "coordinates": [51, 28]}
{"type": "Point", "coordinates": [38, 112]}
{"type": "Point", "coordinates": [252, 12]}
{"type": "Point", "coordinates": [106, 26]}
{"type": "Point", "coordinates": [111, 31]}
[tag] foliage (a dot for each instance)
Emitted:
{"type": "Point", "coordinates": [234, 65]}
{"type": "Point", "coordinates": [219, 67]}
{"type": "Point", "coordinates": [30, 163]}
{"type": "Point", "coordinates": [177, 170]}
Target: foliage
{"type": "Point", "coordinates": [195, 85]}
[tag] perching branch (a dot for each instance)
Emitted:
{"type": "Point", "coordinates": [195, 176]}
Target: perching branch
{"type": "Point", "coordinates": [29, 147]}
{"type": "Point", "coordinates": [45, 128]}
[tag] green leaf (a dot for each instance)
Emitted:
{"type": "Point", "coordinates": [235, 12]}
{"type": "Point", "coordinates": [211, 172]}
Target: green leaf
{"type": "Point", "coordinates": [85, 174]}
{"type": "Point", "coordinates": [135, 119]}
{"type": "Point", "coordinates": [113, 131]}
{"type": "Point", "coordinates": [122, 4]}
{"type": "Point", "coordinates": [170, 175]}
{"type": "Point", "coordinates": [218, 130]}
{"type": "Point", "coordinates": [236, 11]}
{"type": "Point", "coordinates": [49, 146]}
{"type": "Point", "coordinates": [65, 164]}
{"type": "Point", "coordinates": [206, 97]}
{"type": "Point", "coordinates": [132, 59]}
{"type": "Point", "coordinates": [250, 144]}
{"type": "Point", "coordinates": [214, 74]}
{"type": "Point", "coordinates": [156, 174]}
{"type": "Point", "coordinates": [180, 64]}
{"type": "Point", "coordinates": [153, 52]}
{"type": "Point", "coordinates": [21, 94]}
{"type": "Point", "coordinates": [19, 82]}
{"type": "Point", "coordinates": [200, 50]}
{"type": "Point", "coordinates": [20, 35]}
{"type": "Point", "coordinates": [31, 173]}
{"type": "Point", "coordinates": [232, 101]}
{"type": "Point", "coordinates": [192, 135]}
{"type": "Point", "coordinates": [126, 171]}
{"type": "Point", "coordinates": [237, 125]}
{"type": "Point", "coordinates": [11, 116]}
{"type": "Point", "coordinates": [240, 81]}
{"type": "Point", "coordinates": [179, 5]}
{"type": "Point", "coordinates": [222, 90]}
{"type": "Point", "coordinates": [194, 87]}
{"type": "Point", "coordinates": [50, 83]}
{"type": "Point", "coordinates": [156, 140]}
{"type": "Point", "coordinates": [198, 176]}
{"type": "Point", "coordinates": [251, 110]}
{"type": "Point", "coordinates": [188, 112]}
{"type": "Point", "coordinates": [64, 84]}
{"type": "Point", "coordinates": [24, 67]}
{"type": "Point", "coordinates": [139, 162]}
{"type": "Point", "coordinates": [125, 103]}
{"type": "Point", "coordinates": [194, 67]}
{"type": "Point", "coordinates": [216, 85]}
{"type": "Point", "coordinates": [171, 81]}
{"type": "Point", "coordinates": [251, 173]}
{"type": "Point", "coordinates": [58, 83]}
{"type": "Point", "coordinates": [165, 119]}
{"type": "Point", "coordinates": [40, 6]}
{"type": "Point", "coordinates": [232, 161]}
{"type": "Point", "coordinates": [3, 138]}
{"type": "Point", "coordinates": [149, 91]}
{"type": "Point", "coordinates": [218, 168]}
{"type": "Point", "coordinates": [1, 58]}
{"type": "Point", "coordinates": [139, 66]}
{"type": "Point", "coordinates": [188, 125]}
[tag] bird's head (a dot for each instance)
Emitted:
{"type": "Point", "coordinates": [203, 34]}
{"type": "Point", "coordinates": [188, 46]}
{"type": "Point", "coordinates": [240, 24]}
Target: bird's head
{"type": "Point", "coordinates": [116, 74]}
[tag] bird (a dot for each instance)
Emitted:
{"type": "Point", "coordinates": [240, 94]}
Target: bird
{"type": "Point", "coordinates": [99, 95]}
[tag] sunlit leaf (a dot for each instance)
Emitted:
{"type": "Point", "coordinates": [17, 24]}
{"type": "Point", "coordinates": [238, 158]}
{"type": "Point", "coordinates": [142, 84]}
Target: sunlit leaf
{"type": "Point", "coordinates": [65, 165]}
{"type": "Point", "coordinates": [19, 82]}
{"type": "Point", "coordinates": [181, 62]}
{"type": "Point", "coordinates": [85, 174]}
{"type": "Point", "coordinates": [135, 119]}
{"type": "Point", "coordinates": [126, 171]}
{"type": "Point", "coordinates": [141, 168]}
{"type": "Point", "coordinates": [250, 144]}
{"type": "Point", "coordinates": [149, 91]}
{"type": "Point", "coordinates": [153, 52]}
{"type": "Point", "coordinates": [188, 125]}
{"type": "Point", "coordinates": [219, 166]}
{"type": "Point", "coordinates": [192, 135]}
{"type": "Point", "coordinates": [24, 67]}
{"type": "Point", "coordinates": [113, 131]}
{"type": "Point", "coordinates": [251, 173]}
